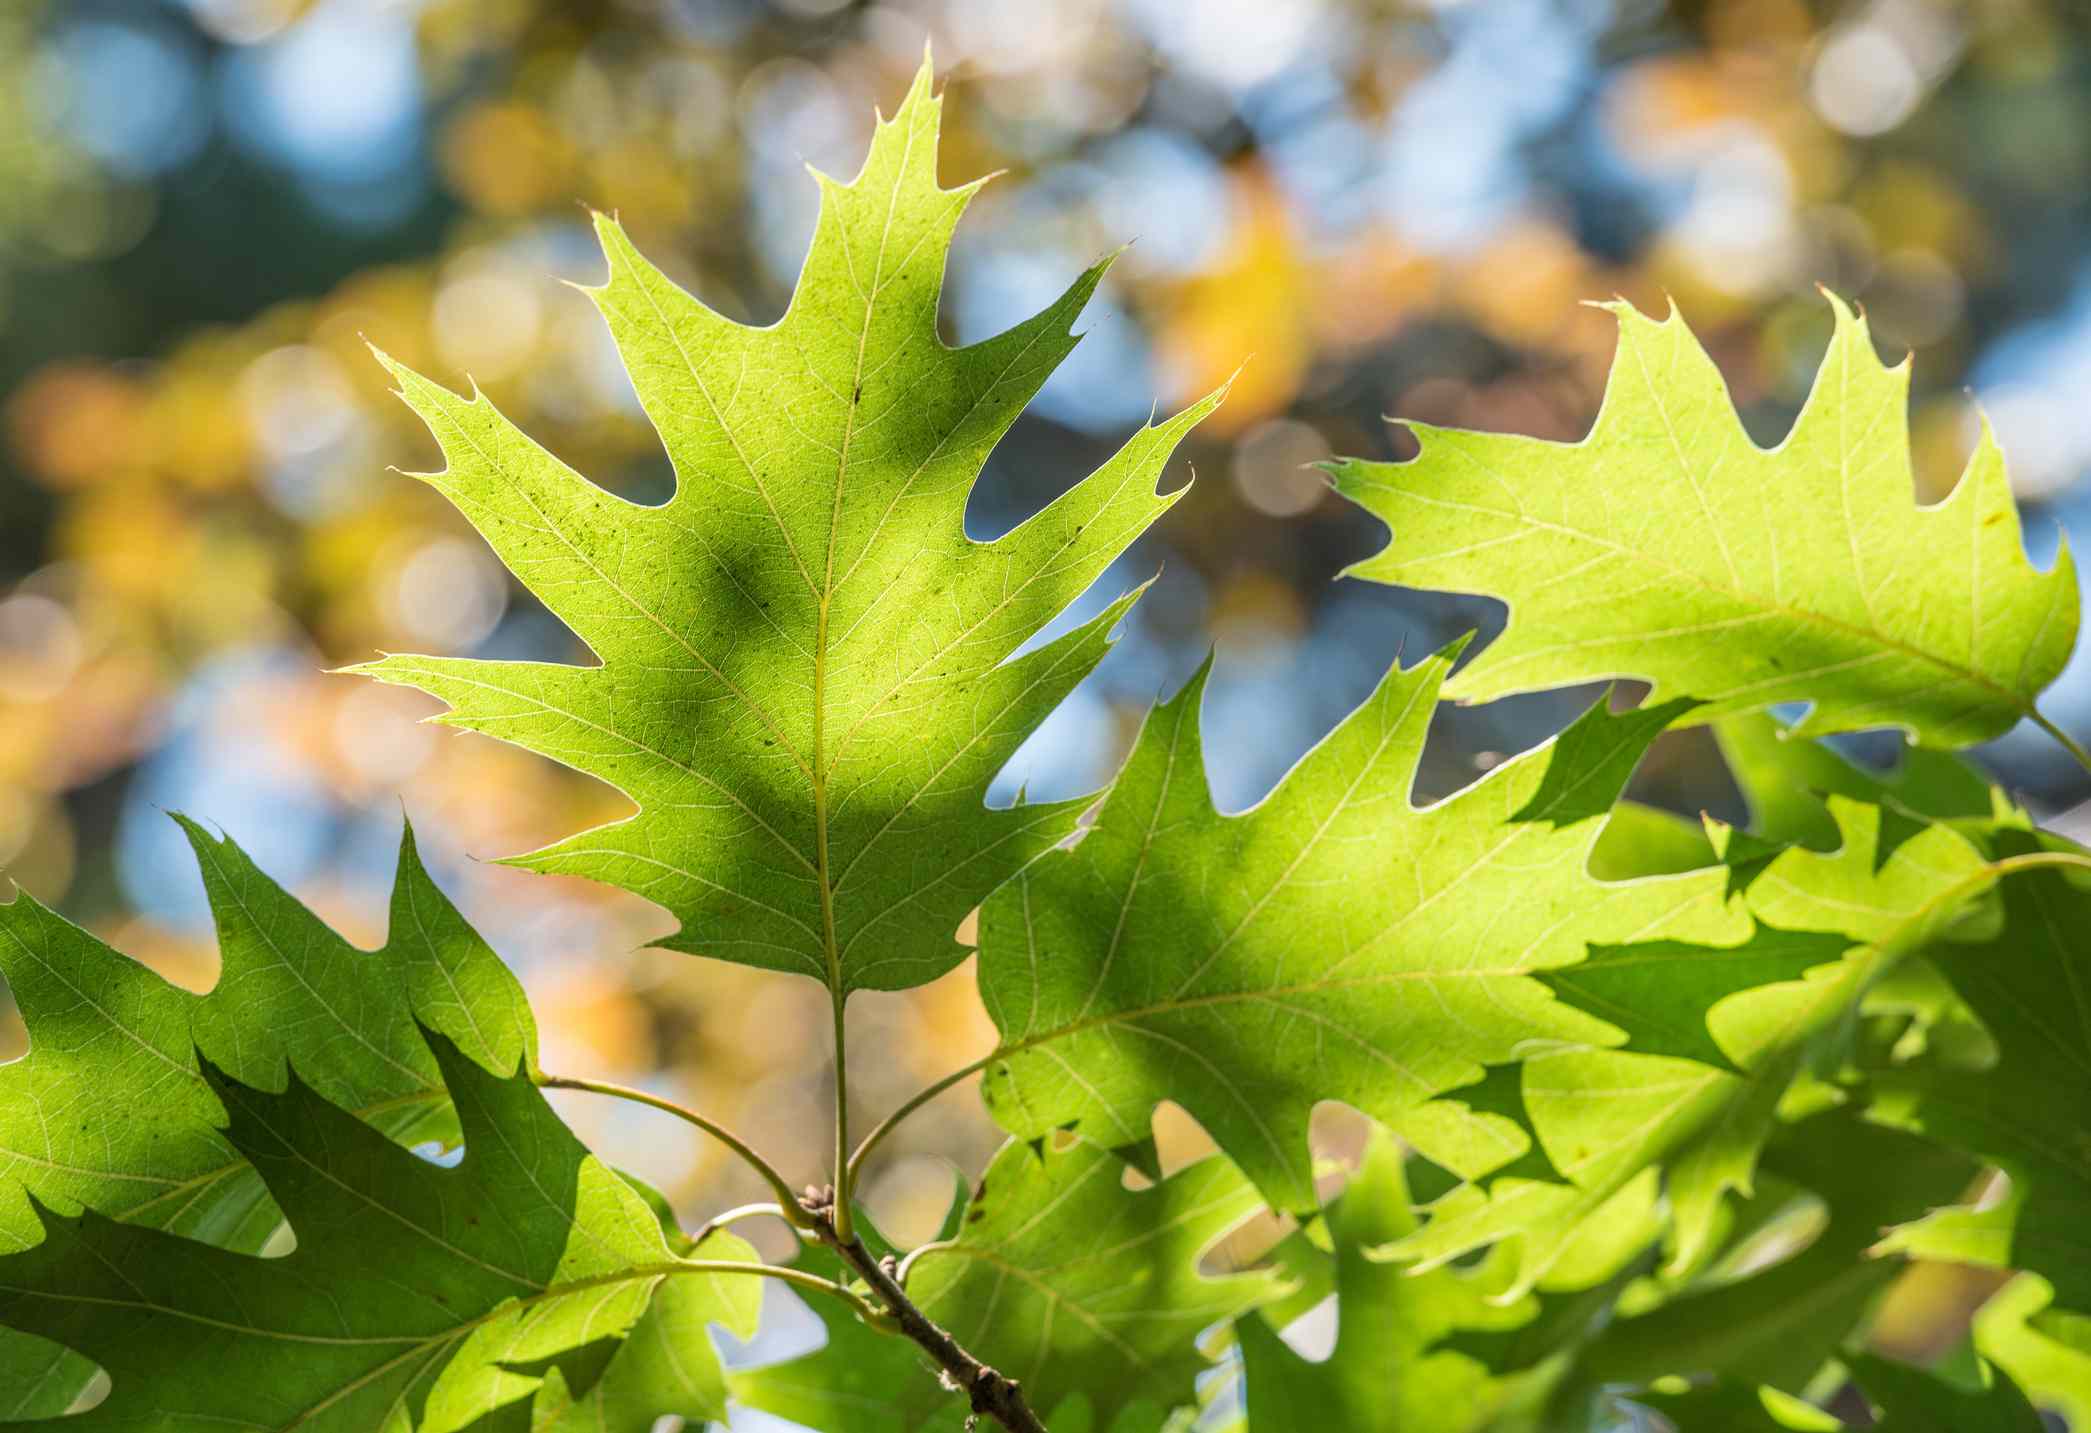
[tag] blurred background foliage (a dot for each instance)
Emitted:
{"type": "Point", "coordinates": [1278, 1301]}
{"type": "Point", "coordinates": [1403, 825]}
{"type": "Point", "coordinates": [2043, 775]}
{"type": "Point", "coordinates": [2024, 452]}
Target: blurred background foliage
{"type": "Point", "coordinates": [1383, 208]}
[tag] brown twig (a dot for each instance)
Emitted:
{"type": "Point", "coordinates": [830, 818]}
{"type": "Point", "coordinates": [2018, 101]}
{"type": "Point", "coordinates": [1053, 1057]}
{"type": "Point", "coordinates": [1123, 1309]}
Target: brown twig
{"type": "Point", "coordinates": [991, 1394]}
{"type": "Point", "coordinates": [815, 1215]}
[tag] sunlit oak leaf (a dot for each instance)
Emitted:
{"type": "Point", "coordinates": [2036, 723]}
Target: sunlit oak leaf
{"type": "Point", "coordinates": [1073, 1284]}
{"type": "Point", "coordinates": [1669, 547]}
{"type": "Point", "coordinates": [110, 1110]}
{"type": "Point", "coordinates": [665, 1366]}
{"type": "Point", "coordinates": [2047, 1353]}
{"type": "Point", "coordinates": [1777, 1322]}
{"type": "Point", "coordinates": [2031, 1114]}
{"type": "Point", "coordinates": [1334, 942]}
{"type": "Point", "coordinates": [1611, 1120]}
{"type": "Point", "coordinates": [1659, 992]}
{"type": "Point", "coordinates": [1390, 1370]}
{"type": "Point", "coordinates": [806, 672]}
{"type": "Point", "coordinates": [417, 1297]}
{"type": "Point", "coordinates": [863, 1381]}
{"type": "Point", "coordinates": [1643, 840]}
{"type": "Point", "coordinates": [1784, 778]}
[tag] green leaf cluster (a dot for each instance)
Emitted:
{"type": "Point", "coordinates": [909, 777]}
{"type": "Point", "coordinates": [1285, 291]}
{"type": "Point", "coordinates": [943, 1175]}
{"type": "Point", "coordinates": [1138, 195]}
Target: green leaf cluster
{"type": "Point", "coordinates": [1644, 1114]}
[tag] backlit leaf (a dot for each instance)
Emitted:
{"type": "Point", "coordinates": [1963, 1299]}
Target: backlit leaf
{"type": "Point", "coordinates": [1668, 546]}
{"type": "Point", "coordinates": [805, 675]}
{"type": "Point", "coordinates": [1333, 942]}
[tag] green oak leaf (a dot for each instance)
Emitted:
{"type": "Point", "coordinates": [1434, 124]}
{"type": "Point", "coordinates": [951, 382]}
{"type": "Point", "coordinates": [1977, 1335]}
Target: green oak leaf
{"type": "Point", "coordinates": [1669, 547]}
{"type": "Point", "coordinates": [1333, 942]}
{"type": "Point", "coordinates": [863, 1381]}
{"type": "Point", "coordinates": [807, 671]}
{"type": "Point", "coordinates": [1387, 1371]}
{"type": "Point", "coordinates": [1467, 1132]}
{"type": "Point", "coordinates": [2030, 985]}
{"type": "Point", "coordinates": [110, 1109]}
{"type": "Point", "coordinates": [1737, 1408]}
{"type": "Point", "coordinates": [1778, 1324]}
{"type": "Point", "coordinates": [858, 1381]}
{"type": "Point", "coordinates": [1912, 1401]}
{"type": "Point", "coordinates": [416, 1297]}
{"type": "Point", "coordinates": [1958, 1233]}
{"type": "Point", "coordinates": [1660, 991]}
{"type": "Point", "coordinates": [2046, 1353]}
{"type": "Point", "coordinates": [40, 1379]}
{"type": "Point", "coordinates": [1610, 1119]}
{"type": "Point", "coordinates": [1642, 840]}
{"type": "Point", "coordinates": [1071, 1283]}
{"type": "Point", "coordinates": [1785, 777]}
{"type": "Point", "coordinates": [1909, 1400]}
{"type": "Point", "coordinates": [664, 1366]}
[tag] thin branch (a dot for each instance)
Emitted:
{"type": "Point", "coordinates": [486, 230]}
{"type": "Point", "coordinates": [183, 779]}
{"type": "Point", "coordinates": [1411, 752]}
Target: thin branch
{"type": "Point", "coordinates": [900, 1274]}
{"type": "Point", "coordinates": [787, 1202]}
{"type": "Point", "coordinates": [886, 1126]}
{"type": "Point", "coordinates": [784, 1274]}
{"type": "Point", "coordinates": [989, 1393]}
{"type": "Point", "coordinates": [2034, 861]}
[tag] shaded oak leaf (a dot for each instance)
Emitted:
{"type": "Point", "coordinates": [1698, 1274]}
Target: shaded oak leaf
{"type": "Point", "coordinates": [417, 1297]}
{"type": "Point", "coordinates": [110, 1110]}
{"type": "Point", "coordinates": [1909, 1401]}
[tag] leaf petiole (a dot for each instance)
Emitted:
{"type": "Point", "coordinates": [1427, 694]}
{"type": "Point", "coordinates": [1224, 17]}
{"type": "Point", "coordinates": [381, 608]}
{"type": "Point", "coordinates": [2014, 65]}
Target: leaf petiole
{"type": "Point", "coordinates": [2062, 738]}
{"type": "Point", "coordinates": [787, 1202]}
{"type": "Point", "coordinates": [720, 1221]}
{"type": "Point", "coordinates": [914, 1102]}
{"type": "Point", "coordinates": [845, 1169]}
{"type": "Point", "coordinates": [876, 1317]}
